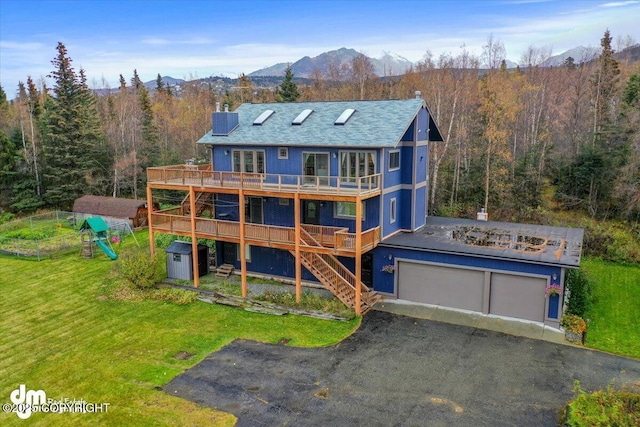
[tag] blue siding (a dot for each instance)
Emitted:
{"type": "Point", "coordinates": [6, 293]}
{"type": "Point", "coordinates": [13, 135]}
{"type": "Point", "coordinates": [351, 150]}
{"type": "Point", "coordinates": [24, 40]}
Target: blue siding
{"type": "Point", "coordinates": [387, 227]}
{"type": "Point", "coordinates": [393, 178]}
{"type": "Point", "coordinates": [406, 162]}
{"type": "Point", "coordinates": [408, 135]}
{"type": "Point", "coordinates": [419, 209]}
{"type": "Point", "coordinates": [423, 124]}
{"type": "Point", "coordinates": [404, 209]}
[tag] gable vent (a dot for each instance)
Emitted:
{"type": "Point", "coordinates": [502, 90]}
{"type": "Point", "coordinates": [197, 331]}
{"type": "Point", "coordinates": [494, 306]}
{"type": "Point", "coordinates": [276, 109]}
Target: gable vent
{"type": "Point", "coordinates": [344, 117]}
{"type": "Point", "coordinates": [302, 117]}
{"type": "Point", "coordinates": [263, 117]}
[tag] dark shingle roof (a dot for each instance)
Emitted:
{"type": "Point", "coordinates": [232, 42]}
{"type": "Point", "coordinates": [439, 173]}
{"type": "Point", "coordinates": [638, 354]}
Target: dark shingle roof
{"type": "Point", "coordinates": [374, 124]}
{"type": "Point", "coordinates": [539, 244]}
{"type": "Point", "coordinates": [108, 206]}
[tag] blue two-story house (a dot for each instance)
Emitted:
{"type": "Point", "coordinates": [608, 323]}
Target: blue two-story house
{"type": "Point", "coordinates": [336, 193]}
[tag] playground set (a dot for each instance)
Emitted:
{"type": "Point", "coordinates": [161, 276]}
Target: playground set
{"type": "Point", "coordinates": [94, 232]}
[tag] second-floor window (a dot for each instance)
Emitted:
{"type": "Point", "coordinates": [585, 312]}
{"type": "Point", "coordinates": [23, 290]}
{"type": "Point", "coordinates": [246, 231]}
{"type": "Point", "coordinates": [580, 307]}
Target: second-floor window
{"type": "Point", "coordinates": [394, 160]}
{"type": "Point", "coordinates": [249, 161]}
{"type": "Point", "coordinates": [356, 164]}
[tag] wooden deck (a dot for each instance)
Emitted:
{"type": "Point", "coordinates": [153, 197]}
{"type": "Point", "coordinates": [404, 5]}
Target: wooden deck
{"type": "Point", "coordinates": [334, 240]}
{"type": "Point", "coordinates": [181, 176]}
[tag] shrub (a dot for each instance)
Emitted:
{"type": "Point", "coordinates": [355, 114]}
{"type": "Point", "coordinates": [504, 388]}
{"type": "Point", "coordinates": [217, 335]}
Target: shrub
{"type": "Point", "coordinates": [602, 408]}
{"type": "Point", "coordinates": [579, 286]}
{"type": "Point", "coordinates": [138, 268]}
{"type": "Point", "coordinates": [573, 323]}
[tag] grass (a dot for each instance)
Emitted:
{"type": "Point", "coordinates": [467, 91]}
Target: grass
{"type": "Point", "coordinates": [613, 317]}
{"type": "Point", "coordinates": [59, 335]}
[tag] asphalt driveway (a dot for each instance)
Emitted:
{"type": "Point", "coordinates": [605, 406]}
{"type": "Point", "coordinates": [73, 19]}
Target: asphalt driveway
{"type": "Point", "coordinates": [401, 371]}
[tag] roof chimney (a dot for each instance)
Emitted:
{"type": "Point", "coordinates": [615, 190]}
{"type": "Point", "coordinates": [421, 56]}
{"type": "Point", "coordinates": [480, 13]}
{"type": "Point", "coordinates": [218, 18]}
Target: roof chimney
{"type": "Point", "coordinates": [223, 123]}
{"type": "Point", "coordinates": [418, 95]}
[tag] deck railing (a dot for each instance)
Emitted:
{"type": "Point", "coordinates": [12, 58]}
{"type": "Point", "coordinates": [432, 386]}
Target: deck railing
{"type": "Point", "coordinates": [204, 177]}
{"type": "Point", "coordinates": [329, 237]}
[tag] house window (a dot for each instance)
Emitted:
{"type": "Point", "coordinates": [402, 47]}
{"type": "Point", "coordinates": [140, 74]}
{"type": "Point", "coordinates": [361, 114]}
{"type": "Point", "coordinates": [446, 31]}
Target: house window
{"type": "Point", "coordinates": [249, 161]}
{"type": "Point", "coordinates": [394, 160]}
{"type": "Point", "coordinates": [253, 210]}
{"type": "Point", "coordinates": [283, 202]}
{"type": "Point", "coordinates": [283, 153]}
{"type": "Point", "coordinates": [177, 258]}
{"type": "Point", "coordinates": [392, 210]}
{"type": "Point", "coordinates": [347, 210]}
{"type": "Point", "coordinates": [247, 252]}
{"type": "Point", "coordinates": [356, 164]}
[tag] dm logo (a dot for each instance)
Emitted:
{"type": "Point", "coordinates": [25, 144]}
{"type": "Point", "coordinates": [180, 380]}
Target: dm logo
{"type": "Point", "coordinates": [25, 400]}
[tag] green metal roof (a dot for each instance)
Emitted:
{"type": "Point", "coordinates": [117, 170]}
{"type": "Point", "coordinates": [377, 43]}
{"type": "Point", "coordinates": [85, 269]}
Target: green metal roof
{"type": "Point", "coordinates": [96, 224]}
{"type": "Point", "coordinates": [374, 124]}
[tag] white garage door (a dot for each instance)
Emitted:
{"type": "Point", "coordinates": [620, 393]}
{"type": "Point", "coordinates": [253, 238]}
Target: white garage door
{"type": "Point", "coordinates": [517, 296]}
{"type": "Point", "coordinates": [437, 285]}
{"type": "Point", "coordinates": [510, 295]}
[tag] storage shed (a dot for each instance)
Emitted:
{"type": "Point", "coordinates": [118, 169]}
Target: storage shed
{"type": "Point", "coordinates": [114, 208]}
{"type": "Point", "coordinates": [180, 260]}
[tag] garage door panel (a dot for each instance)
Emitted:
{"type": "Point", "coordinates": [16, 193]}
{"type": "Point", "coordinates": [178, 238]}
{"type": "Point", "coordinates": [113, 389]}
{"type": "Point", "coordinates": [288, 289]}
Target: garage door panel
{"type": "Point", "coordinates": [517, 296]}
{"type": "Point", "coordinates": [438, 285]}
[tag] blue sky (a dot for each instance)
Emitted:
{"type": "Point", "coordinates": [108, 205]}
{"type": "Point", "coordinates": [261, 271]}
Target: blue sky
{"type": "Point", "coordinates": [190, 39]}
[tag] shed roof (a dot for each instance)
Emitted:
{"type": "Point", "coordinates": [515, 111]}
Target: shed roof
{"type": "Point", "coordinates": [540, 244]}
{"type": "Point", "coordinates": [373, 124]}
{"type": "Point", "coordinates": [108, 206]}
{"type": "Point", "coordinates": [180, 247]}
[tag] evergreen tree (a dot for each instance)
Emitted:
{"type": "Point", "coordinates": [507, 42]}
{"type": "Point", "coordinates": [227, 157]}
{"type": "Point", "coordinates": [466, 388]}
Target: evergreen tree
{"type": "Point", "coordinates": [72, 135]}
{"type": "Point", "coordinates": [589, 180]}
{"type": "Point", "coordinates": [159, 84]}
{"type": "Point", "coordinates": [136, 83]}
{"type": "Point", "coordinates": [9, 156]}
{"type": "Point", "coordinates": [288, 90]}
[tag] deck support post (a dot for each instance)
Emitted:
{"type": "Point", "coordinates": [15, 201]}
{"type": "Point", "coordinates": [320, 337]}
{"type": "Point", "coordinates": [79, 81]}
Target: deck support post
{"type": "Point", "coordinates": [358, 307]}
{"type": "Point", "coordinates": [296, 210]}
{"type": "Point", "coordinates": [152, 239]}
{"type": "Point", "coordinates": [243, 254]}
{"type": "Point", "coordinates": [194, 239]}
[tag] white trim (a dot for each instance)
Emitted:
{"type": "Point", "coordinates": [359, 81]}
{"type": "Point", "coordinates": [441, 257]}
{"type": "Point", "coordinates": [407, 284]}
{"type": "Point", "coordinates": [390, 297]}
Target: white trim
{"type": "Point", "coordinates": [389, 167]}
{"type": "Point", "coordinates": [392, 210]}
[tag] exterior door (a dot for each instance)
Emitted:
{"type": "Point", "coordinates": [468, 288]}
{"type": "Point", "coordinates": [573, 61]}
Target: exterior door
{"type": "Point", "coordinates": [316, 164]}
{"type": "Point", "coordinates": [311, 212]}
{"type": "Point", "coordinates": [366, 269]}
{"type": "Point", "coordinates": [228, 253]}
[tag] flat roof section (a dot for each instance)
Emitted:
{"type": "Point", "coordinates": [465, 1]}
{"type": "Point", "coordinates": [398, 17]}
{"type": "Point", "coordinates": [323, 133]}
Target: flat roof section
{"type": "Point", "coordinates": [541, 244]}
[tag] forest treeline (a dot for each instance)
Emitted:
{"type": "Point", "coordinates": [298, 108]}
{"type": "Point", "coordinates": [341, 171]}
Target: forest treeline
{"type": "Point", "coordinates": [515, 140]}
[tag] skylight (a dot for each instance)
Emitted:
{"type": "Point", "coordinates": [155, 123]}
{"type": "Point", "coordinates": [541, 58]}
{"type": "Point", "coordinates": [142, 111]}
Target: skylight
{"type": "Point", "coordinates": [302, 117]}
{"type": "Point", "coordinates": [345, 116]}
{"type": "Point", "coordinates": [263, 117]}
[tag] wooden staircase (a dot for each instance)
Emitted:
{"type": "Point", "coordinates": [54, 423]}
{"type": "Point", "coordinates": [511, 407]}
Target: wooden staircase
{"type": "Point", "coordinates": [335, 276]}
{"type": "Point", "coordinates": [203, 201]}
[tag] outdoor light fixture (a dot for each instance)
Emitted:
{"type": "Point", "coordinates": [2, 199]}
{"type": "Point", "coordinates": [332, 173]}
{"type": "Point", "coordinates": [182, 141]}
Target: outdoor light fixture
{"type": "Point", "coordinates": [226, 152]}
{"type": "Point", "coordinates": [390, 256]}
{"type": "Point", "coordinates": [335, 155]}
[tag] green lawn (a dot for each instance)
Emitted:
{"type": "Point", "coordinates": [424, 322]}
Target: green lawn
{"type": "Point", "coordinates": [614, 319]}
{"type": "Point", "coordinates": [58, 334]}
